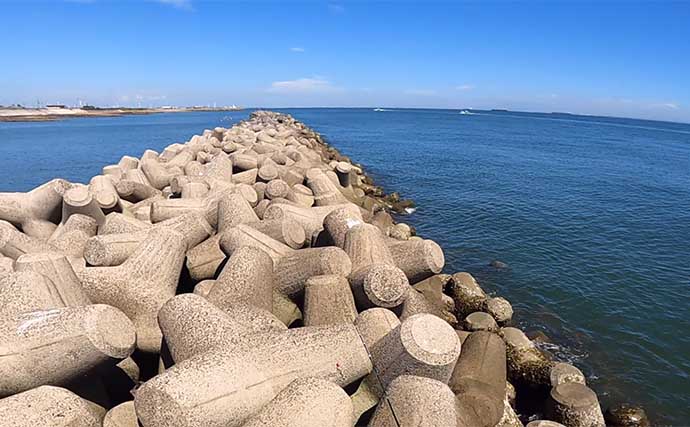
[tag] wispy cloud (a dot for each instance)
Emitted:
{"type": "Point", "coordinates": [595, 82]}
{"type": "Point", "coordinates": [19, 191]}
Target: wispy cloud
{"type": "Point", "coordinates": [179, 4]}
{"type": "Point", "coordinates": [464, 87]}
{"type": "Point", "coordinates": [303, 85]}
{"type": "Point", "coordinates": [420, 92]}
{"type": "Point", "coordinates": [139, 98]}
{"type": "Point", "coordinates": [666, 105]}
{"type": "Point", "coordinates": [336, 8]}
{"type": "Point", "coordinates": [297, 49]}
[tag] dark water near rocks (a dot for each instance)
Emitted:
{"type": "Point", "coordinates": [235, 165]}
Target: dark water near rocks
{"type": "Point", "coordinates": [592, 216]}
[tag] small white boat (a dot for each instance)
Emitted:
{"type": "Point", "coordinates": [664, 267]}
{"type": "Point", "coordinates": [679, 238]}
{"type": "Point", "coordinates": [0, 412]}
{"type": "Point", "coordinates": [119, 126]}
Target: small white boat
{"type": "Point", "coordinates": [466, 112]}
{"type": "Point", "coordinates": [379, 109]}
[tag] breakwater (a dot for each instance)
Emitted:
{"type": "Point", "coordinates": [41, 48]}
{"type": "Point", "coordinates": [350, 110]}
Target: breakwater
{"type": "Point", "coordinates": [331, 263]}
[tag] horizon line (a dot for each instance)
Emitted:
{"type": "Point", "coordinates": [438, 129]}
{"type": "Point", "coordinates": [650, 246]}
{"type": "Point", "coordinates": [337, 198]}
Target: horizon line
{"type": "Point", "coordinates": [502, 110]}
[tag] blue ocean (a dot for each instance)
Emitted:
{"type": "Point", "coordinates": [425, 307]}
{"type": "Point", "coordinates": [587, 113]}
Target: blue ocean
{"type": "Point", "coordinates": [590, 214]}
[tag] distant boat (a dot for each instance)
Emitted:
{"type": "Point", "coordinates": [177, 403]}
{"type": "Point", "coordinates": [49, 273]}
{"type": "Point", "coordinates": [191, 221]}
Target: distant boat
{"type": "Point", "coordinates": [379, 109]}
{"type": "Point", "coordinates": [466, 112]}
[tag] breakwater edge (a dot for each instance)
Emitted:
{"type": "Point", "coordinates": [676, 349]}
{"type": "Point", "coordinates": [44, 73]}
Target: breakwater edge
{"type": "Point", "coordinates": [384, 258]}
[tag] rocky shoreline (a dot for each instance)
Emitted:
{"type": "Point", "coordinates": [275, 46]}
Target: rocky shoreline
{"type": "Point", "coordinates": [254, 276]}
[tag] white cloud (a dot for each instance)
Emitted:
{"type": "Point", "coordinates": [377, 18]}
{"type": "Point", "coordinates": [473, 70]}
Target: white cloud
{"type": "Point", "coordinates": [179, 4]}
{"type": "Point", "coordinates": [303, 85]}
{"type": "Point", "coordinates": [464, 87]}
{"type": "Point", "coordinates": [420, 92]}
{"type": "Point", "coordinates": [297, 49]}
{"type": "Point", "coordinates": [667, 105]}
{"type": "Point", "coordinates": [150, 97]}
{"type": "Point", "coordinates": [336, 8]}
{"type": "Point", "coordinates": [139, 98]}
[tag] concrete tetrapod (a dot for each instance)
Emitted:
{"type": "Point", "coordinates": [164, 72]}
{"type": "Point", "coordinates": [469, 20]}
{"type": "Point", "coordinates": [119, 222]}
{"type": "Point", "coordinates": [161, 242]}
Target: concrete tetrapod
{"type": "Point", "coordinates": [164, 209]}
{"type": "Point", "coordinates": [14, 243]}
{"type": "Point", "coordinates": [95, 336]}
{"type": "Point", "coordinates": [375, 279]}
{"type": "Point", "coordinates": [340, 221]}
{"type": "Point", "coordinates": [510, 418]}
{"type": "Point", "coordinates": [157, 174]}
{"type": "Point", "coordinates": [302, 195]}
{"type": "Point", "coordinates": [365, 245]}
{"type": "Point", "coordinates": [564, 373]}
{"type": "Point", "coordinates": [233, 209]}
{"type": "Point", "coordinates": [418, 259]}
{"type": "Point", "coordinates": [192, 325]}
{"type": "Point", "coordinates": [48, 406]}
{"type": "Point", "coordinates": [27, 291]}
{"type": "Point", "coordinates": [500, 309]}
{"type": "Point", "coordinates": [412, 401]}
{"type": "Point", "coordinates": [244, 235]}
{"type": "Point", "coordinates": [422, 345]}
{"type": "Point", "coordinates": [311, 219]}
{"type": "Point", "coordinates": [71, 236]}
{"type": "Point", "coordinates": [325, 191]}
{"type": "Point", "coordinates": [140, 286]}
{"type": "Point", "coordinates": [37, 211]}
{"type": "Point", "coordinates": [204, 259]}
{"type": "Point", "coordinates": [479, 377]}
{"type": "Point", "coordinates": [480, 321]}
{"type": "Point", "coordinates": [135, 191]}
{"type": "Point", "coordinates": [194, 190]}
{"type": "Point", "coordinates": [268, 171]}
{"type": "Point", "coordinates": [122, 415]}
{"type": "Point", "coordinates": [467, 294]}
{"type": "Point", "coordinates": [293, 269]}
{"type": "Point", "coordinates": [625, 415]}
{"type": "Point", "coordinates": [79, 200]}
{"type": "Point", "coordinates": [246, 277]}
{"type": "Point", "coordinates": [372, 324]}
{"type": "Point", "coordinates": [306, 402]}
{"type": "Point", "coordinates": [328, 301]}
{"type": "Point", "coordinates": [6, 265]}
{"type": "Point", "coordinates": [117, 223]}
{"type": "Point", "coordinates": [224, 388]}
{"type": "Point", "coordinates": [344, 172]}
{"type": "Point", "coordinates": [379, 285]}
{"type": "Point", "coordinates": [284, 230]}
{"type": "Point", "coordinates": [526, 363]}
{"type": "Point", "coordinates": [246, 177]}
{"type": "Point", "coordinates": [575, 405]}
{"type": "Point", "coordinates": [58, 274]}
{"type": "Point", "coordinates": [416, 302]}
{"type": "Point", "coordinates": [276, 189]}
{"type": "Point", "coordinates": [104, 191]}
{"type": "Point", "coordinates": [178, 182]}
{"type": "Point", "coordinates": [114, 249]}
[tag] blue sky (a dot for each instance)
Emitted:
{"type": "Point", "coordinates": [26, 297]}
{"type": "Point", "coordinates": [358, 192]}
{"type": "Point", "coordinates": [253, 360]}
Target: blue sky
{"type": "Point", "coordinates": [617, 58]}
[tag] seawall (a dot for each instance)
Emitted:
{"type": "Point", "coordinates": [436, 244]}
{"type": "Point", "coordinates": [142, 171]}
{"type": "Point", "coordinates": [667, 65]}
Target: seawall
{"type": "Point", "coordinates": [254, 276]}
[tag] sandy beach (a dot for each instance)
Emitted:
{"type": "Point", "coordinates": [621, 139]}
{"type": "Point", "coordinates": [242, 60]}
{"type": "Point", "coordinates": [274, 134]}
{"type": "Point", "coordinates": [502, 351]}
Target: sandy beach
{"type": "Point", "coordinates": [8, 114]}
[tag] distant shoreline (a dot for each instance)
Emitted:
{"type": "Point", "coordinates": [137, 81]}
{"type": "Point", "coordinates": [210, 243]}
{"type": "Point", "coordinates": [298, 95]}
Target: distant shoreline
{"type": "Point", "coordinates": [50, 114]}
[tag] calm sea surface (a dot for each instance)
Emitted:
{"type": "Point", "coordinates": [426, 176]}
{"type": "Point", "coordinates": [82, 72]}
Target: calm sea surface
{"type": "Point", "coordinates": [591, 214]}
